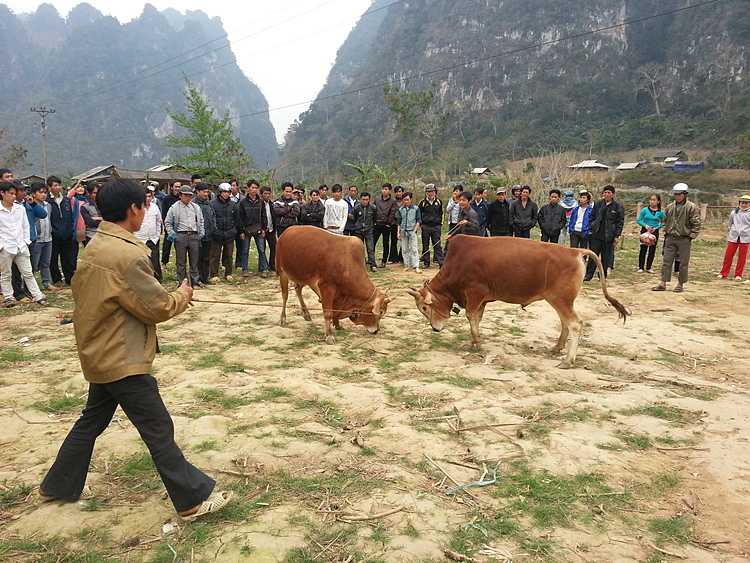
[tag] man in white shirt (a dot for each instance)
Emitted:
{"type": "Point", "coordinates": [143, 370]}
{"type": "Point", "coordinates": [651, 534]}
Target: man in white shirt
{"type": "Point", "coordinates": [150, 231]}
{"type": "Point", "coordinates": [337, 212]}
{"type": "Point", "coordinates": [14, 246]}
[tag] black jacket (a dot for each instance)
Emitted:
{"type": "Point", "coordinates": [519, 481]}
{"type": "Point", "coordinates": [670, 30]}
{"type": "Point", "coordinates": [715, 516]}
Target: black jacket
{"type": "Point", "coordinates": [552, 218]}
{"type": "Point", "coordinates": [364, 217]}
{"type": "Point", "coordinates": [61, 218]}
{"type": "Point", "coordinates": [432, 213]}
{"type": "Point", "coordinates": [498, 218]}
{"type": "Point", "coordinates": [285, 212]}
{"type": "Point", "coordinates": [209, 217]}
{"type": "Point", "coordinates": [607, 221]}
{"type": "Point", "coordinates": [228, 223]}
{"type": "Point", "coordinates": [168, 201]}
{"type": "Point", "coordinates": [252, 215]}
{"type": "Point", "coordinates": [312, 213]}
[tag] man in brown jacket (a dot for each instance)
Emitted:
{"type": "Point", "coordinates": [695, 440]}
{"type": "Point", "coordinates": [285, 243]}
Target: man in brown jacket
{"type": "Point", "coordinates": [118, 302]}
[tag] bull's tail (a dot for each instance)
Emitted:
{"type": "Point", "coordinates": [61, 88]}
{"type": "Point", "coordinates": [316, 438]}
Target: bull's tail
{"type": "Point", "coordinates": [622, 312]}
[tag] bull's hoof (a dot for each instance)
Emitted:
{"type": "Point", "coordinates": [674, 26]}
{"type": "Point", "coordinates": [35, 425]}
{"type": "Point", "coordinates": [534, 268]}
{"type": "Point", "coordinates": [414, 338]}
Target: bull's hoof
{"type": "Point", "coordinates": [308, 318]}
{"type": "Point", "coordinates": [564, 365]}
{"type": "Point", "coordinates": [330, 340]}
{"type": "Point", "coordinates": [282, 322]}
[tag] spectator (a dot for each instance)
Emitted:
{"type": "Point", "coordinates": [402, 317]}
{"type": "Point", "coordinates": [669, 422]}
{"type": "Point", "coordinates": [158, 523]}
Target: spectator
{"type": "Point", "coordinates": [150, 231]}
{"type": "Point", "coordinates": [651, 219]}
{"type": "Point", "coordinates": [523, 214]}
{"type": "Point", "coordinates": [498, 215]}
{"type": "Point", "coordinates": [386, 216]}
{"type": "Point", "coordinates": [739, 239]}
{"type": "Point", "coordinates": [14, 247]}
{"type": "Point", "coordinates": [409, 220]}
{"type": "Point", "coordinates": [568, 203]}
{"type": "Point", "coordinates": [607, 220]}
{"type": "Point", "coordinates": [252, 219]}
{"type": "Point", "coordinates": [396, 255]}
{"type": "Point", "coordinates": [41, 248]}
{"type": "Point", "coordinates": [480, 206]}
{"type": "Point", "coordinates": [269, 229]}
{"type": "Point", "coordinates": [364, 223]}
{"type": "Point", "coordinates": [337, 210]}
{"type": "Point", "coordinates": [351, 200]}
{"type": "Point", "coordinates": [285, 209]}
{"type": "Point", "coordinates": [203, 201]}
{"type": "Point", "coordinates": [228, 227]}
{"type": "Point", "coordinates": [515, 193]}
{"type": "Point", "coordinates": [168, 201]}
{"type": "Point", "coordinates": [63, 243]}
{"type": "Point", "coordinates": [452, 209]}
{"type": "Point", "coordinates": [431, 210]}
{"type": "Point", "coordinates": [468, 221]}
{"type": "Point", "coordinates": [313, 211]}
{"type": "Point", "coordinates": [185, 225]}
{"type": "Point", "coordinates": [90, 212]}
{"type": "Point", "coordinates": [580, 221]}
{"type": "Point", "coordinates": [323, 191]}
{"type": "Point", "coordinates": [552, 218]}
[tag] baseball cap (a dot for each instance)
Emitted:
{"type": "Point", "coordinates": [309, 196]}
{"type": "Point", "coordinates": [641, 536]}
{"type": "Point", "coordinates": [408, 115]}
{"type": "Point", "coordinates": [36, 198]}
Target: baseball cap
{"type": "Point", "coordinates": [186, 190]}
{"type": "Point", "coordinates": [500, 191]}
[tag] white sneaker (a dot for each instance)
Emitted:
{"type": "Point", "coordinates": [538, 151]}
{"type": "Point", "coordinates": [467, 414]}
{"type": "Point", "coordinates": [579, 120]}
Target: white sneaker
{"type": "Point", "coordinates": [417, 270]}
{"type": "Point", "coordinates": [649, 271]}
{"type": "Point", "coordinates": [640, 271]}
{"type": "Point", "coordinates": [738, 278]}
{"type": "Point", "coordinates": [719, 276]}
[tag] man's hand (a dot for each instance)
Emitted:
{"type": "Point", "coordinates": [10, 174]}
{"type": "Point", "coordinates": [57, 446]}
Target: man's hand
{"type": "Point", "coordinates": [242, 236]}
{"type": "Point", "coordinates": [616, 239]}
{"type": "Point", "coordinates": [464, 222]}
{"type": "Point", "coordinates": [186, 288]}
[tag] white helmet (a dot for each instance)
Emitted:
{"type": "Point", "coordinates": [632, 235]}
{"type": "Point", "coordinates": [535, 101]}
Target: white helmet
{"type": "Point", "coordinates": [681, 188]}
{"type": "Point", "coordinates": [227, 188]}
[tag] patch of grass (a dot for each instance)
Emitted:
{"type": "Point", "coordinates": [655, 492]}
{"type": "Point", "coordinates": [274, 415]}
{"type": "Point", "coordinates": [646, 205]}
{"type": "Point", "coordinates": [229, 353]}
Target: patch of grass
{"type": "Point", "coordinates": [349, 374]}
{"type": "Point", "coordinates": [209, 360]}
{"type": "Point", "coordinates": [326, 411]}
{"type": "Point", "coordinates": [700, 393]}
{"type": "Point", "coordinates": [673, 414]}
{"type": "Point", "coordinates": [458, 380]}
{"type": "Point", "coordinates": [10, 355]}
{"type": "Point", "coordinates": [61, 405]}
{"type": "Point", "coordinates": [51, 550]}
{"type": "Point", "coordinates": [14, 493]}
{"type": "Point", "coordinates": [219, 397]}
{"type": "Point", "coordinates": [269, 393]}
{"type": "Point", "coordinates": [137, 471]}
{"type": "Point", "coordinates": [169, 348]}
{"type": "Point", "coordinates": [516, 330]}
{"type": "Point", "coordinates": [677, 530]}
{"type": "Point", "coordinates": [636, 442]}
{"type": "Point", "coordinates": [392, 362]}
{"type": "Point", "coordinates": [207, 446]}
{"type": "Point", "coordinates": [410, 400]}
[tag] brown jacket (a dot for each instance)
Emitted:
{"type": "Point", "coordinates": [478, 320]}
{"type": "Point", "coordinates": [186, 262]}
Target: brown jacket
{"type": "Point", "coordinates": [683, 222]}
{"type": "Point", "coordinates": [118, 302]}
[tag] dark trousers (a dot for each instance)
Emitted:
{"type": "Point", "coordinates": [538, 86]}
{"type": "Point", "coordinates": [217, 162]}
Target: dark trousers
{"type": "Point", "coordinates": [647, 253]}
{"type": "Point", "coordinates": [367, 237]}
{"type": "Point", "coordinates": [238, 242]}
{"type": "Point", "coordinates": [550, 238]}
{"type": "Point", "coordinates": [187, 246]}
{"type": "Point", "coordinates": [579, 240]}
{"type": "Point", "coordinates": [166, 250]}
{"type": "Point", "coordinates": [431, 238]}
{"type": "Point", "coordinates": [521, 232]}
{"type": "Point", "coordinates": [385, 231]}
{"type": "Point", "coordinates": [138, 395]}
{"type": "Point", "coordinates": [155, 264]}
{"type": "Point", "coordinates": [204, 260]}
{"type": "Point", "coordinates": [223, 251]}
{"type": "Point", "coordinates": [396, 255]}
{"type": "Point", "coordinates": [19, 288]}
{"type": "Point", "coordinates": [605, 249]}
{"type": "Point", "coordinates": [271, 242]}
{"type": "Point", "coordinates": [62, 254]}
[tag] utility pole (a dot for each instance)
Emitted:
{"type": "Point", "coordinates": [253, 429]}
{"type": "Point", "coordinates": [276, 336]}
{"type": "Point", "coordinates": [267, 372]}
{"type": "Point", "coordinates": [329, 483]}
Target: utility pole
{"type": "Point", "coordinates": [44, 112]}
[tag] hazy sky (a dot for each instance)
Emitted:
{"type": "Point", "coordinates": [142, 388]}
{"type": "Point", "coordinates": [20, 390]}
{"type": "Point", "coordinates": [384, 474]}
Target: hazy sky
{"type": "Point", "coordinates": [286, 47]}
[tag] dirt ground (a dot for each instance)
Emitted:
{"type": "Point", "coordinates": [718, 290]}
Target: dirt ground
{"type": "Point", "coordinates": [346, 452]}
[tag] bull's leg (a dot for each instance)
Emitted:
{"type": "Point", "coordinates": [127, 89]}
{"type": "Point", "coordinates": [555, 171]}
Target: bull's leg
{"type": "Point", "coordinates": [329, 329]}
{"type": "Point", "coordinates": [570, 331]}
{"type": "Point", "coordinates": [284, 282]}
{"type": "Point", "coordinates": [337, 324]}
{"type": "Point", "coordinates": [305, 311]}
{"type": "Point", "coordinates": [475, 314]}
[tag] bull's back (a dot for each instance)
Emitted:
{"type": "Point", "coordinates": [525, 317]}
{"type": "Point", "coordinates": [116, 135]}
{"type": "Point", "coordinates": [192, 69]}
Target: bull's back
{"type": "Point", "coordinates": [512, 269]}
{"type": "Point", "coordinates": [307, 254]}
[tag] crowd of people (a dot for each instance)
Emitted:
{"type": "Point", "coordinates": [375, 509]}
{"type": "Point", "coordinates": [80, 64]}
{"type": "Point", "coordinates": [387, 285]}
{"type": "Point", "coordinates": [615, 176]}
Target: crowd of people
{"type": "Point", "coordinates": [211, 231]}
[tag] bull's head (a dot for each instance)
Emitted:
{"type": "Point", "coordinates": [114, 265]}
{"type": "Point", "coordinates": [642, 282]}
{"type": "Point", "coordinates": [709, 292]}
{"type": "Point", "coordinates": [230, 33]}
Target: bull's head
{"type": "Point", "coordinates": [372, 312]}
{"type": "Point", "coordinates": [433, 309]}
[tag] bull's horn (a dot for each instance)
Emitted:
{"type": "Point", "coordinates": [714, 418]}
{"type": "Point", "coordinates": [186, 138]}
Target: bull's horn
{"type": "Point", "coordinates": [389, 299]}
{"type": "Point", "coordinates": [413, 288]}
{"type": "Point", "coordinates": [412, 292]}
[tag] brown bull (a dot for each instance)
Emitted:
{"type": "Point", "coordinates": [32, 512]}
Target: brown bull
{"type": "Point", "coordinates": [478, 271]}
{"type": "Point", "coordinates": [334, 268]}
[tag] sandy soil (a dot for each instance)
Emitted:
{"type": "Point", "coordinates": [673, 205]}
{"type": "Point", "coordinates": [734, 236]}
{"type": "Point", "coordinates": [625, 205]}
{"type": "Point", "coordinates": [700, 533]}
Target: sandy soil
{"type": "Point", "coordinates": [376, 407]}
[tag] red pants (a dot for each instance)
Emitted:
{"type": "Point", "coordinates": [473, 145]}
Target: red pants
{"type": "Point", "coordinates": [729, 256]}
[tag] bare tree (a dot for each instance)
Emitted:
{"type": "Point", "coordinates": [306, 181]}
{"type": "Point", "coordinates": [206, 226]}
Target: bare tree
{"type": "Point", "coordinates": [651, 78]}
{"type": "Point", "coordinates": [726, 66]}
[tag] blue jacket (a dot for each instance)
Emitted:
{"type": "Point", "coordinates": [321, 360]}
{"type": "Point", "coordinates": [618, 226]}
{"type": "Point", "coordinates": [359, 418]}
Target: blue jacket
{"type": "Point", "coordinates": [586, 225]}
{"type": "Point", "coordinates": [481, 208]}
{"type": "Point", "coordinates": [61, 218]}
{"type": "Point", "coordinates": [32, 213]}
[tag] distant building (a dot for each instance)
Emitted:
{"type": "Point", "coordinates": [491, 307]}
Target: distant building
{"type": "Point", "coordinates": [28, 180]}
{"type": "Point", "coordinates": [589, 165]}
{"type": "Point", "coordinates": [688, 166]}
{"type": "Point", "coordinates": [483, 172]}
{"type": "Point", "coordinates": [631, 165]}
{"type": "Point", "coordinates": [162, 174]}
{"type": "Point", "coordinates": [668, 158]}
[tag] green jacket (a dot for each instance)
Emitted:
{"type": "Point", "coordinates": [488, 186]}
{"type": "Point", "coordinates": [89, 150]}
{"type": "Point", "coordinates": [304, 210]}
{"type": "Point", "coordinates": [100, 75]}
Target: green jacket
{"type": "Point", "coordinates": [118, 302]}
{"type": "Point", "coordinates": [683, 222]}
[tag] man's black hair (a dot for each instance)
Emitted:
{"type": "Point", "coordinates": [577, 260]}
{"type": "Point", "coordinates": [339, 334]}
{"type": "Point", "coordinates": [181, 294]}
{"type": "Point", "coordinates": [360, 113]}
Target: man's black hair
{"type": "Point", "coordinates": [313, 192]}
{"type": "Point", "coordinates": [466, 195]}
{"type": "Point", "coordinates": [555, 191]}
{"type": "Point", "coordinates": [36, 186]}
{"type": "Point", "coordinates": [6, 186]}
{"type": "Point", "coordinates": [264, 189]}
{"type": "Point", "coordinates": [52, 179]}
{"type": "Point", "coordinates": [479, 190]}
{"type": "Point", "coordinates": [115, 197]}
{"type": "Point", "coordinates": [321, 186]}
{"type": "Point", "coordinates": [388, 185]}
{"type": "Point", "coordinates": [610, 188]}
{"type": "Point", "coordinates": [458, 187]}
{"type": "Point", "coordinates": [175, 182]}
{"type": "Point", "coordinates": [91, 187]}
{"type": "Point", "coordinates": [397, 188]}
{"type": "Point", "coordinates": [196, 177]}
{"type": "Point", "coordinates": [4, 171]}
{"type": "Point", "coordinates": [336, 188]}
{"type": "Point", "coordinates": [286, 185]}
{"type": "Point", "coordinates": [411, 195]}
{"type": "Point", "coordinates": [202, 186]}
{"type": "Point", "coordinates": [364, 194]}
{"type": "Point", "coordinates": [526, 188]}
{"type": "Point", "coordinates": [252, 181]}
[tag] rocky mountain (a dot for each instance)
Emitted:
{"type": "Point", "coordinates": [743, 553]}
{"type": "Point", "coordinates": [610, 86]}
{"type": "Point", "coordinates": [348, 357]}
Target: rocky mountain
{"type": "Point", "coordinates": [110, 83]}
{"type": "Point", "coordinates": [516, 76]}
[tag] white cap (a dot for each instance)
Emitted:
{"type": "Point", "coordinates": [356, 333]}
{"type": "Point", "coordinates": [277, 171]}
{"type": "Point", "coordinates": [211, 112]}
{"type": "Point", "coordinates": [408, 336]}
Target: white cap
{"type": "Point", "coordinates": [681, 188]}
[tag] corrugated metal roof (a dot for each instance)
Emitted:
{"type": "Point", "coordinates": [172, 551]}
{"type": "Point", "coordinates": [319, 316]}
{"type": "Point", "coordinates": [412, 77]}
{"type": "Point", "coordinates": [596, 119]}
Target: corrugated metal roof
{"type": "Point", "coordinates": [628, 166]}
{"type": "Point", "coordinates": [590, 164]}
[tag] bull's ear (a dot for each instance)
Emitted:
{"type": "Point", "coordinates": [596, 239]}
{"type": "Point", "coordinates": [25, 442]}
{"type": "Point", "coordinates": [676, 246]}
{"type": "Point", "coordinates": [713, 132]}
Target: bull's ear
{"type": "Point", "coordinates": [428, 298]}
{"type": "Point", "coordinates": [412, 292]}
{"type": "Point", "coordinates": [376, 306]}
